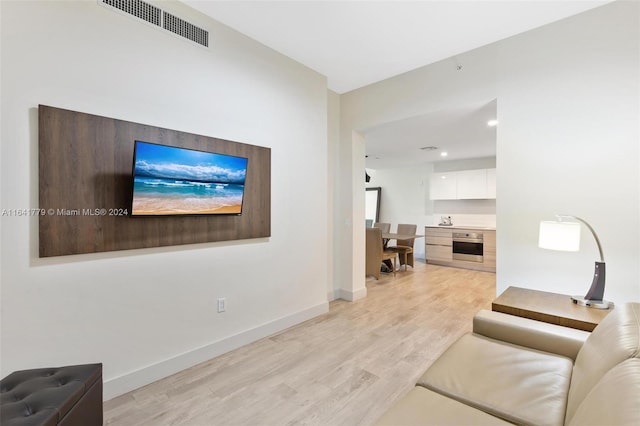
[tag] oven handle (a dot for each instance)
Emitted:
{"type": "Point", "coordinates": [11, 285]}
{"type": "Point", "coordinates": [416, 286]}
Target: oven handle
{"type": "Point", "coordinates": [467, 240]}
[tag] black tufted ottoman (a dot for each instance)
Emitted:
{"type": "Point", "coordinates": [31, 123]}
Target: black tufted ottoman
{"type": "Point", "coordinates": [70, 396]}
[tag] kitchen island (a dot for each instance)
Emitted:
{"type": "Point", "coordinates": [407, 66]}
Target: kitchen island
{"type": "Point", "coordinates": [469, 247]}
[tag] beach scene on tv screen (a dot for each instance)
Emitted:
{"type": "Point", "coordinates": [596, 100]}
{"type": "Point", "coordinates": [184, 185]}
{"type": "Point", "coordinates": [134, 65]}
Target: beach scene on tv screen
{"type": "Point", "coordinates": [170, 180]}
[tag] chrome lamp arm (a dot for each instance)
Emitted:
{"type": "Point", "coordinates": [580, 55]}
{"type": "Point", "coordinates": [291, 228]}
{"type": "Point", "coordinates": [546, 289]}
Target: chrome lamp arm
{"type": "Point", "coordinates": [563, 216]}
{"type": "Point", "coordinates": [595, 296]}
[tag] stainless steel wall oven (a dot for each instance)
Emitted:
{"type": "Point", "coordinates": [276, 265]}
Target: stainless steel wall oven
{"type": "Point", "coordinates": [468, 246]}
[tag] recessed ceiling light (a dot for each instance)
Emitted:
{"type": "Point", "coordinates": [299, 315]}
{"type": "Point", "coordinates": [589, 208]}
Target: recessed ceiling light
{"type": "Point", "coordinates": [492, 123]}
{"type": "Point", "coordinates": [443, 154]}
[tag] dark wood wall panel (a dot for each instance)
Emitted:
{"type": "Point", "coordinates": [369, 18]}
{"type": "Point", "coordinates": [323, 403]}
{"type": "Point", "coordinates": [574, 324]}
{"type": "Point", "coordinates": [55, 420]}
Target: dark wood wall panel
{"type": "Point", "coordinates": [86, 162]}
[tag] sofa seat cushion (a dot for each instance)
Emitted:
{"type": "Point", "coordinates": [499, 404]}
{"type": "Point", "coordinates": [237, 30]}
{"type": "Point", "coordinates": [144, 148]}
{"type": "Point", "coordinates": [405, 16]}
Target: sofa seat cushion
{"type": "Point", "coordinates": [512, 382]}
{"type": "Point", "coordinates": [424, 407]}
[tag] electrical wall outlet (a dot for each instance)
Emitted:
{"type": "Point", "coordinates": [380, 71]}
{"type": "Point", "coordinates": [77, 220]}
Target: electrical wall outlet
{"type": "Point", "coordinates": [222, 304]}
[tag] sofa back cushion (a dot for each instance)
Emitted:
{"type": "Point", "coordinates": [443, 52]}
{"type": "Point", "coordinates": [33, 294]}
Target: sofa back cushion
{"type": "Point", "coordinates": [614, 340]}
{"type": "Point", "coordinates": [614, 399]}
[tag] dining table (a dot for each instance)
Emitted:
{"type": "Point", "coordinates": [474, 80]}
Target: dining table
{"type": "Point", "coordinates": [396, 236]}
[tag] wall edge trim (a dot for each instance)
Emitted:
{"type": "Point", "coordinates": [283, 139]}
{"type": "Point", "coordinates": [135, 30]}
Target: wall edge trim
{"type": "Point", "coordinates": [120, 385]}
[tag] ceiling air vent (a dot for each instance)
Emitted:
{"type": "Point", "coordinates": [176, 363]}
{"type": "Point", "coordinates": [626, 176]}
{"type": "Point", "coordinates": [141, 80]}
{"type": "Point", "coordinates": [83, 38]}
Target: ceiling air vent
{"type": "Point", "coordinates": [185, 29]}
{"type": "Point", "coordinates": [429, 148]}
{"type": "Point", "coordinates": [160, 18]}
{"type": "Point", "coordinates": [137, 8]}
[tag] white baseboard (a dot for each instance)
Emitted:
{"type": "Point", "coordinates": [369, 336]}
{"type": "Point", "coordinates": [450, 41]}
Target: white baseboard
{"type": "Point", "coordinates": [127, 382]}
{"type": "Point", "coordinates": [352, 296]}
{"type": "Point", "coordinates": [333, 295]}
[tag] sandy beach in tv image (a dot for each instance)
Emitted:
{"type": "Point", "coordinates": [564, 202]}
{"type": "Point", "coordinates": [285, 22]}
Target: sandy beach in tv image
{"type": "Point", "coordinates": [173, 181]}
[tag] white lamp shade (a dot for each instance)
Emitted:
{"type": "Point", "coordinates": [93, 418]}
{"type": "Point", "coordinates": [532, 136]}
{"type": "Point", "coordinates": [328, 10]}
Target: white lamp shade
{"type": "Point", "coordinates": [564, 236]}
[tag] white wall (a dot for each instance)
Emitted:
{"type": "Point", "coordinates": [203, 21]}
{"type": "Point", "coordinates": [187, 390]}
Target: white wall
{"type": "Point", "coordinates": [568, 143]}
{"type": "Point", "coordinates": [404, 198]}
{"type": "Point", "coordinates": [567, 140]}
{"type": "Point", "coordinates": [148, 313]}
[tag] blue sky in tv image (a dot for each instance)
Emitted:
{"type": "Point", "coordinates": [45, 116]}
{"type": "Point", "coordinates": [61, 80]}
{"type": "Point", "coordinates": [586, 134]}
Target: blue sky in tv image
{"type": "Point", "coordinates": [170, 162]}
{"type": "Point", "coordinates": [171, 180]}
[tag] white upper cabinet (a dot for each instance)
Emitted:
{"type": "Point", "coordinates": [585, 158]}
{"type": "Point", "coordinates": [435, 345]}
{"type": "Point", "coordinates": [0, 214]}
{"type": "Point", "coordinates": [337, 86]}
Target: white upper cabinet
{"type": "Point", "coordinates": [491, 183]}
{"type": "Point", "coordinates": [463, 185]}
{"type": "Point", "coordinates": [472, 184]}
{"type": "Point", "coordinates": [442, 186]}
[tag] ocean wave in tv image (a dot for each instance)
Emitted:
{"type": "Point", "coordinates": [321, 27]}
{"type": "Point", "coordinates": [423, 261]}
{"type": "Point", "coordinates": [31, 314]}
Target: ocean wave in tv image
{"type": "Point", "coordinates": [168, 196]}
{"type": "Point", "coordinates": [170, 180]}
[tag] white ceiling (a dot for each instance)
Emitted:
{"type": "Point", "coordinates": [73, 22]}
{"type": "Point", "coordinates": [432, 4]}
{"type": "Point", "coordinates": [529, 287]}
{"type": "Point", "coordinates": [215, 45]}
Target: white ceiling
{"type": "Point", "coordinates": [462, 133]}
{"type": "Point", "coordinates": [359, 42]}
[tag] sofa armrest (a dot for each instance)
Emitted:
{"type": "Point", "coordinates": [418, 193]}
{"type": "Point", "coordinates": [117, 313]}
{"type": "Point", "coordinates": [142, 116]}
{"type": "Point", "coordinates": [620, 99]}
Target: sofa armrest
{"type": "Point", "coordinates": [529, 333]}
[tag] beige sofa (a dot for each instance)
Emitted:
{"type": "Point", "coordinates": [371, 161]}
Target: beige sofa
{"type": "Point", "coordinates": [512, 370]}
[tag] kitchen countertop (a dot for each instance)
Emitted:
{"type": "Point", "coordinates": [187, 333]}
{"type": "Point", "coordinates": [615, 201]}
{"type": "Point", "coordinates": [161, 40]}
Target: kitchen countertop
{"type": "Point", "coordinates": [484, 228]}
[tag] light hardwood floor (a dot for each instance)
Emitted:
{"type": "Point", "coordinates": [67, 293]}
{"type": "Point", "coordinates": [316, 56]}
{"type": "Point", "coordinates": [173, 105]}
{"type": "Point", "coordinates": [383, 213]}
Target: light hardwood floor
{"type": "Point", "coordinates": [346, 367]}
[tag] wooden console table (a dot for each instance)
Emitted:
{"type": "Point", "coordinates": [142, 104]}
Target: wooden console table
{"type": "Point", "coordinates": [548, 307]}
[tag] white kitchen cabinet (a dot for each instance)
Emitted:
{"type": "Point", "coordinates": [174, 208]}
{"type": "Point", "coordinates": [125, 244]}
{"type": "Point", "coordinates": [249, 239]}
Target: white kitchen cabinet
{"type": "Point", "coordinates": [491, 183]}
{"type": "Point", "coordinates": [463, 185]}
{"type": "Point", "coordinates": [442, 186]}
{"type": "Point", "coordinates": [472, 184]}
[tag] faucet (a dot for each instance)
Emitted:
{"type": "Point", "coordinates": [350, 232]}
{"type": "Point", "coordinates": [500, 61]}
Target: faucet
{"type": "Point", "coordinates": [445, 220]}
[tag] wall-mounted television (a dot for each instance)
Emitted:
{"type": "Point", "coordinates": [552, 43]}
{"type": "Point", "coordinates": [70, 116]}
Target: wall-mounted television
{"type": "Point", "coordinates": [169, 180]}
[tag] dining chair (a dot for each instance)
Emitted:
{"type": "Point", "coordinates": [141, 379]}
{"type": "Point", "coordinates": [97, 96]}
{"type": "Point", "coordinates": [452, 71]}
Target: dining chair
{"type": "Point", "coordinates": [375, 253]}
{"type": "Point", "coordinates": [384, 227]}
{"type": "Point", "coordinates": [404, 248]}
